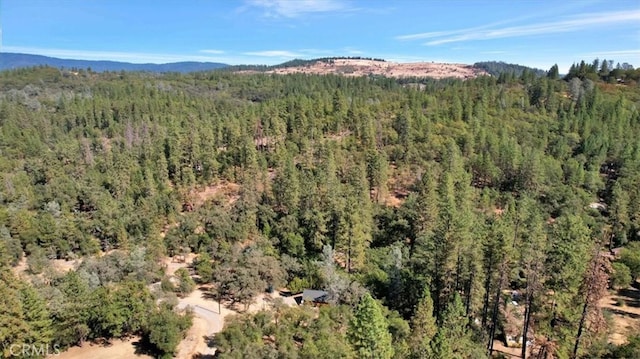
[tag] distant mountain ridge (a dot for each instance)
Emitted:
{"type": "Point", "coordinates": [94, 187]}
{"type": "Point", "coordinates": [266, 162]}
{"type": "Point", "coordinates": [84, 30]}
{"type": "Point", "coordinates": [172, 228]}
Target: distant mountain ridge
{"type": "Point", "coordinates": [350, 66]}
{"type": "Point", "coordinates": [10, 61]}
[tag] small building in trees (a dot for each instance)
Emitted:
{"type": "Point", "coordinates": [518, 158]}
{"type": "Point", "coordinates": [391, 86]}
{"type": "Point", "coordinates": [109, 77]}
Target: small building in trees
{"type": "Point", "coordinates": [317, 297]}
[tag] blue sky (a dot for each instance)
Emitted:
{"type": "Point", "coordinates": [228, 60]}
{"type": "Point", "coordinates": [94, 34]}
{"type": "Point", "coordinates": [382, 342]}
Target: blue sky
{"type": "Point", "coordinates": [533, 33]}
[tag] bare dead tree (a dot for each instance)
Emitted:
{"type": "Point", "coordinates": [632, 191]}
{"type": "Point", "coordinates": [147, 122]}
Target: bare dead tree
{"type": "Point", "coordinates": [593, 289]}
{"type": "Point", "coordinates": [545, 348]}
{"type": "Point", "coordinates": [533, 269]}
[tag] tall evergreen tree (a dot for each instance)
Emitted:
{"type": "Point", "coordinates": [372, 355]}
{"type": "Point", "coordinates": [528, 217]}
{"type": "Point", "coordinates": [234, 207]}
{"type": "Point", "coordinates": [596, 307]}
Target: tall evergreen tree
{"type": "Point", "coordinates": [36, 314]}
{"type": "Point", "coordinates": [453, 339]}
{"type": "Point", "coordinates": [368, 331]}
{"type": "Point", "coordinates": [13, 325]}
{"type": "Point", "coordinates": [553, 72]}
{"type": "Point", "coordinates": [423, 326]}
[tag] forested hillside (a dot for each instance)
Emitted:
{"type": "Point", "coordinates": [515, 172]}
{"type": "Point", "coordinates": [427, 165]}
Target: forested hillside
{"type": "Point", "coordinates": [424, 212]}
{"type": "Point", "coordinates": [496, 68]}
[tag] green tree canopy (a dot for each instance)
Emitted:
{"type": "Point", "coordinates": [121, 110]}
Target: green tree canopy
{"type": "Point", "coordinates": [368, 330]}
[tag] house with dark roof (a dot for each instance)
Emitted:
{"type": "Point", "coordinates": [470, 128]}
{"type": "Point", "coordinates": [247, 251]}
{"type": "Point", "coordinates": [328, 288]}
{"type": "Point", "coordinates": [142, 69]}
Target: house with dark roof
{"type": "Point", "coordinates": [317, 297]}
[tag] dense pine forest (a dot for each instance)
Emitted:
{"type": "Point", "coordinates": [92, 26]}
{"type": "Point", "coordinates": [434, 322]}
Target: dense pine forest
{"type": "Point", "coordinates": [440, 217]}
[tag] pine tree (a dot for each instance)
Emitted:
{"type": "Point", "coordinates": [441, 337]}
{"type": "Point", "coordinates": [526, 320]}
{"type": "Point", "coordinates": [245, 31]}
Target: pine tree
{"type": "Point", "coordinates": [368, 331]}
{"type": "Point", "coordinates": [353, 220]}
{"type": "Point", "coordinates": [441, 347]}
{"type": "Point", "coordinates": [553, 72]}
{"type": "Point", "coordinates": [454, 324]}
{"type": "Point", "coordinates": [566, 262]}
{"type": "Point", "coordinates": [500, 257]}
{"type": "Point", "coordinates": [377, 174]}
{"type": "Point", "coordinates": [619, 210]}
{"type": "Point", "coordinates": [445, 249]}
{"type": "Point", "coordinates": [427, 202]}
{"type": "Point", "coordinates": [70, 318]}
{"type": "Point", "coordinates": [532, 262]}
{"type": "Point", "coordinates": [36, 315]}
{"type": "Point", "coordinates": [423, 326]}
{"type": "Point", "coordinates": [286, 187]}
{"type": "Point", "coordinates": [13, 325]}
{"type": "Point", "coordinates": [453, 340]}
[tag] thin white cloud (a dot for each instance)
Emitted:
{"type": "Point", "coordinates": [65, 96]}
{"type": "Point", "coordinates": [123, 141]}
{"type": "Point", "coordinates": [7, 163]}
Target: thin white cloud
{"type": "Point", "coordinates": [317, 52]}
{"type": "Point", "coordinates": [429, 35]}
{"type": "Point", "coordinates": [436, 34]}
{"type": "Point", "coordinates": [488, 32]}
{"type": "Point", "coordinates": [273, 53]}
{"type": "Point", "coordinates": [493, 52]}
{"type": "Point", "coordinates": [213, 52]}
{"type": "Point", "coordinates": [633, 52]}
{"type": "Point", "coordinates": [352, 51]}
{"type": "Point", "coordinates": [557, 9]}
{"type": "Point", "coordinates": [295, 8]}
{"type": "Point", "coordinates": [345, 51]}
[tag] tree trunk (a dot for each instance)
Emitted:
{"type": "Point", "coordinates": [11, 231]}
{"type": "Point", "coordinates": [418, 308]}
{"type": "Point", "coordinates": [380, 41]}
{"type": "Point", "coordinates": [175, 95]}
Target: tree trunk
{"type": "Point", "coordinates": [580, 328]}
{"type": "Point", "coordinates": [458, 270]}
{"type": "Point", "coordinates": [487, 290]}
{"type": "Point", "coordinates": [437, 300]}
{"type": "Point", "coordinates": [412, 245]}
{"type": "Point", "coordinates": [468, 289]}
{"type": "Point", "coordinates": [349, 256]}
{"type": "Point", "coordinates": [525, 330]}
{"type": "Point", "coordinates": [494, 315]}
